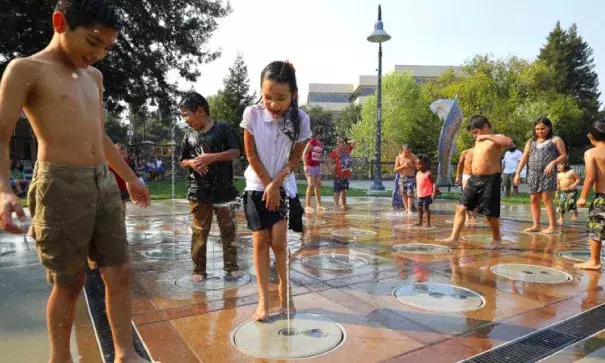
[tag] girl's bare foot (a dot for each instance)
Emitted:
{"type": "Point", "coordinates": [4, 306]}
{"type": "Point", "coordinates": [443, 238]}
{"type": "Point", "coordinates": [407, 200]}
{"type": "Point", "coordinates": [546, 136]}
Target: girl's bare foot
{"type": "Point", "coordinates": [308, 209]}
{"type": "Point", "coordinates": [532, 229]}
{"type": "Point", "coordinates": [261, 314]}
{"type": "Point", "coordinates": [574, 216]}
{"type": "Point", "coordinates": [450, 239]}
{"type": "Point", "coordinates": [549, 230]}
{"type": "Point", "coordinates": [197, 278]}
{"type": "Point", "coordinates": [284, 310]}
{"type": "Point", "coordinates": [560, 221]}
{"type": "Point", "coordinates": [589, 265]}
{"type": "Point", "coordinates": [320, 208]}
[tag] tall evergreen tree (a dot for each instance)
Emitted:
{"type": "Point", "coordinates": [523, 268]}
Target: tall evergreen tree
{"type": "Point", "coordinates": [236, 94]}
{"type": "Point", "coordinates": [573, 63]}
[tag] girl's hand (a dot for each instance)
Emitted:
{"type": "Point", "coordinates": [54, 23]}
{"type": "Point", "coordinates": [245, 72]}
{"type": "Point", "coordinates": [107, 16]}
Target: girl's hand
{"type": "Point", "coordinates": [271, 197]}
{"type": "Point", "coordinates": [549, 169]}
{"type": "Point", "coordinates": [517, 180]}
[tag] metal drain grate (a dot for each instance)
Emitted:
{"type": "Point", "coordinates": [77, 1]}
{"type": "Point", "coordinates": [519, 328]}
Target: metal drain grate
{"type": "Point", "coordinates": [94, 291]}
{"type": "Point", "coordinates": [545, 342]}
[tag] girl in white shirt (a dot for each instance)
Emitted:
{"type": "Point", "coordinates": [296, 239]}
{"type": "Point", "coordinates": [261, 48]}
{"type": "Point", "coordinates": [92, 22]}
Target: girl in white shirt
{"type": "Point", "coordinates": [275, 134]}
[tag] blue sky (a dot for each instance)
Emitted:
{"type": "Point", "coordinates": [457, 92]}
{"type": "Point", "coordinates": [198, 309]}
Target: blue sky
{"type": "Point", "coordinates": [326, 39]}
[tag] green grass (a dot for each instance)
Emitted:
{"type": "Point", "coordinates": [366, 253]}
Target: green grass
{"type": "Point", "coordinates": [163, 190]}
{"type": "Point", "coordinates": [523, 198]}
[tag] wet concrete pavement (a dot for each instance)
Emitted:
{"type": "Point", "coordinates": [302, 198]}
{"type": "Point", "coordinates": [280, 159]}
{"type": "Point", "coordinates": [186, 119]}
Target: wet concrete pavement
{"type": "Point", "coordinates": [178, 324]}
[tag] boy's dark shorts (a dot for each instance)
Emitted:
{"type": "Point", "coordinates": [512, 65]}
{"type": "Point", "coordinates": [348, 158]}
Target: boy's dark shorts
{"type": "Point", "coordinates": [596, 218]}
{"type": "Point", "coordinates": [76, 215]}
{"type": "Point", "coordinates": [483, 192]}
{"type": "Point", "coordinates": [124, 195]}
{"type": "Point", "coordinates": [259, 217]}
{"type": "Point", "coordinates": [424, 201]}
{"type": "Point", "coordinates": [341, 184]}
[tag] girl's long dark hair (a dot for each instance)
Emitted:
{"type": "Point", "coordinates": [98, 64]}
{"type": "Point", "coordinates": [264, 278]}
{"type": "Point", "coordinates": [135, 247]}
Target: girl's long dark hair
{"type": "Point", "coordinates": [284, 72]}
{"type": "Point", "coordinates": [546, 122]}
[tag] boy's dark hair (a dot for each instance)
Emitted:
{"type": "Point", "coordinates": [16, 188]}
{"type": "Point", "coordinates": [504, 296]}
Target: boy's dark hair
{"type": "Point", "coordinates": [86, 13]}
{"type": "Point", "coordinates": [565, 165]}
{"type": "Point", "coordinates": [424, 159]}
{"type": "Point", "coordinates": [192, 101]}
{"type": "Point", "coordinates": [284, 72]}
{"type": "Point", "coordinates": [546, 122]}
{"type": "Point", "coordinates": [477, 122]}
{"type": "Point", "coordinates": [597, 130]}
{"type": "Point", "coordinates": [318, 131]}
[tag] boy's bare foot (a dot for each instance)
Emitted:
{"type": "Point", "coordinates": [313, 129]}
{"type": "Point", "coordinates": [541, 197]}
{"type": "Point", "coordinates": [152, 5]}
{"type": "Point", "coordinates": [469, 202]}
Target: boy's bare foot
{"type": "Point", "coordinates": [308, 209]}
{"type": "Point", "coordinates": [197, 278]}
{"type": "Point", "coordinates": [344, 208]}
{"type": "Point", "coordinates": [419, 224]}
{"type": "Point", "coordinates": [336, 208]}
{"type": "Point", "coordinates": [450, 239]}
{"type": "Point", "coordinates": [234, 275]}
{"type": "Point", "coordinates": [549, 231]}
{"type": "Point", "coordinates": [493, 245]}
{"type": "Point", "coordinates": [532, 229]}
{"type": "Point", "coordinates": [261, 314]}
{"type": "Point", "coordinates": [589, 265]}
{"type": "Point", "coordinates": [560, 221]}
{"type": "Point", "coordinates": [321, 208]}
{"type": "Point", "coordinates": [574, 217]}
{"type": "Point", "coordinates": [131, 359]}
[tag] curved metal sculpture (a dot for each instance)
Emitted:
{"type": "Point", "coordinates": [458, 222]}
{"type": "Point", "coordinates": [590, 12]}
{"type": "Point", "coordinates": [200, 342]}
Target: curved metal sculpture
{"type": "Point", "coordinates": [450, 113]}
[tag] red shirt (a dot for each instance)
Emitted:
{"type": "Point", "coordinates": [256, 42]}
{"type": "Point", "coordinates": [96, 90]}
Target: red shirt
{"type": "Point", "coordinates": [424, 184]}
{"type": "Point", "coordinates": [119, 180]}
{"type": "Point", "coordinates": [313, 157]}
{"type": "Point", "coordinates": [342, 162]}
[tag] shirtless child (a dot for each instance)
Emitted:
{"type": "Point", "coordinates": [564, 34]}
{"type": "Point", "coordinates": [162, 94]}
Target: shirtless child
{"type": "Point", "coordinates": [483, 187]}
{"type": "Point", "coordinates": [405, 165]}
{"type": "Point", "coordinates": [73, 199]}
{"type": "Point", "coordinates": [567, 182]}
{"type": "Point", "coordinates": [595, 174]}
{"type": "Point", "coordinates": [464, 169]}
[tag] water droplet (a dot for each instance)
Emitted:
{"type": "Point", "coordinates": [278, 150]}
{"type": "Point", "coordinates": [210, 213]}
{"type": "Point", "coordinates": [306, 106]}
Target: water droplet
{"type": "Point", "coordinates": [74, 75]}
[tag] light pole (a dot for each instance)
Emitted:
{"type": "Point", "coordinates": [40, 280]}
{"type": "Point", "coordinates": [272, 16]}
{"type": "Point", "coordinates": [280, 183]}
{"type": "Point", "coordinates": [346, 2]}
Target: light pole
{"type": "Point", "coordinates": [378, 36]}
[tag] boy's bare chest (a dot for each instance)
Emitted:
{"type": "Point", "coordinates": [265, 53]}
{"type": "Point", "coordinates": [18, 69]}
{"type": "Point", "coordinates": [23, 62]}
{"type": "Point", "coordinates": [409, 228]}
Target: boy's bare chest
{"type": "Point", "coordinates": [71, 96]}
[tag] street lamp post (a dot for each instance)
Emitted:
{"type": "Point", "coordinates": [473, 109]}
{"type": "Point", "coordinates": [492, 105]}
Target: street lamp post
{"type": "Point", "coordinates": [378, 36]}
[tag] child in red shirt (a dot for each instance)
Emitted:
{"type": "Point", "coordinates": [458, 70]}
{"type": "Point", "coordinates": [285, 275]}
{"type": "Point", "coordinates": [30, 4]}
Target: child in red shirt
{"type": "Point", "coordinates": [121, 183]}
{"type": "Point", "coordinates": [425, 188]}
{"type": "Point", "coordinates": [341, 156]}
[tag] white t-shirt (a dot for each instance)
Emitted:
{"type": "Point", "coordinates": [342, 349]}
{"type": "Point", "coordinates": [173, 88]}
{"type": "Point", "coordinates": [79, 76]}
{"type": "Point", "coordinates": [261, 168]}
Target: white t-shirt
{"type": "Point", "coordinates": [272, 145]}
{"type": "Point", "coordinates": [511, 161]}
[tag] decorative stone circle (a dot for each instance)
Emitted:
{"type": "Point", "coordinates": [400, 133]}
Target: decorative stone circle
{"type": "Point", "coordinates": [304, 336]}
{"type": "Point", "coordinates": [531, 273]}
{"type": "Point", "coordinates": [334, 262]}
{"type": "Point", "coordinates": [439, 297]}
{"type": "Point", "coordinates": [421, 249]}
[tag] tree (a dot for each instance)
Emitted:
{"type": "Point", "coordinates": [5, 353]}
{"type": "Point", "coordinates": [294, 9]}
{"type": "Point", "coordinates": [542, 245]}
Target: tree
{"type": "Point", "coordinates": [344, 121]}
{"type": "Point", "coordinates": [406, 119]}
{"type": "Point", "coordinates": [573, 62]}
{"type": "Point", "coordinates": [221, 110]}
{"type": "Point", "coordinates": [236, 93]}
{"type": "Point", "coordinates": [157, 36]}
{"type": "Point", "coordinates": [117, 131]}
{"type": "Point", "coordinates": [322, 118]}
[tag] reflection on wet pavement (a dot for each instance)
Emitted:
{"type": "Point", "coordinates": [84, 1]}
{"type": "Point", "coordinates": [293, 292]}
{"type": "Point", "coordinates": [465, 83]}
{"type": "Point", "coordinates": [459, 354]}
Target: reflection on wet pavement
{"type": "Point", "coordinates": [355, 268]}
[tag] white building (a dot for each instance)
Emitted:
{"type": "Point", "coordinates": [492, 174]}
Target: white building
{"type": "Point", "coordinates": [336, 96]}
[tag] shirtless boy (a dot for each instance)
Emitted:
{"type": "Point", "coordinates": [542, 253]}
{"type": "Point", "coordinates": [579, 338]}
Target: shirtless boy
{"type": "Point", "coordinates": [567, 182]}
{"type": "Point", "coordinates": [483, 187]}
{"type": "Point", "coordinates": [74, 200]}
{"type": "Point", "coordinates": [464, 170]}
{"type": "Point", "coordinates": [595, 174]}
{"type": "Point", "coordinates": [405, 165]}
